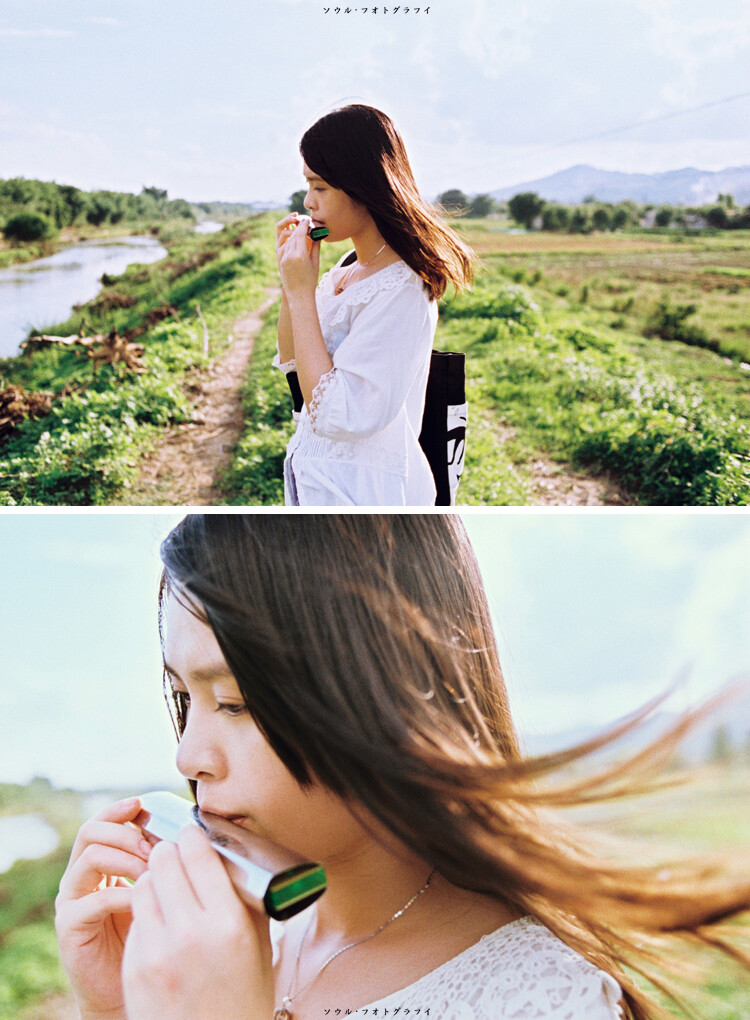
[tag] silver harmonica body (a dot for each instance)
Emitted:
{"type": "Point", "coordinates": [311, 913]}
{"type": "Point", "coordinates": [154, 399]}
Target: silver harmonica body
{"type": "Point", "coordinates": [267, 877]}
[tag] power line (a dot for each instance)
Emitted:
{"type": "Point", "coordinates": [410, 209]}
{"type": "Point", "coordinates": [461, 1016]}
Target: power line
{"type": "Point", "coordinates": [617, 130]}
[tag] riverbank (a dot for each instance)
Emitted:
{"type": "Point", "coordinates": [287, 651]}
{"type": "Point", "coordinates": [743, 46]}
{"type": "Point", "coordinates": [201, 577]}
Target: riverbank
{"type": "Point", "coordinates": [112, 399]}
{"type": "Point", "coordinates": [19, 253]}
{"type": "Point", "coordinates": [50, 289]}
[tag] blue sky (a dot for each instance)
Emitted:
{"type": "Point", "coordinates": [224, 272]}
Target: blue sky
{"type": "Point", "coordinates": [595, 614]}
{"type": "Point", "coordinates": [209, 100]}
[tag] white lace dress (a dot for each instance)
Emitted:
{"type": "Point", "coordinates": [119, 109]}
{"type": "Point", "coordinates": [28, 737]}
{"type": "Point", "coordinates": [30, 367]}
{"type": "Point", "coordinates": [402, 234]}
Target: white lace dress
{"type": "Point", "coordinates": [519, 972]}
{"type": "Point", "coordinates": [358, 444]}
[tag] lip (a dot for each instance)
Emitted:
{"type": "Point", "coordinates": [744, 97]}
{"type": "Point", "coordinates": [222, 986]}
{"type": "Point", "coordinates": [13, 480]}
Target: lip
{"type": "Point", "coordinates": [237, 819]}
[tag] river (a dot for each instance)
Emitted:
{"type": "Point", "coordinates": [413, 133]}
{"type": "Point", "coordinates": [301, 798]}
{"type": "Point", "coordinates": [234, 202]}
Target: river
{"type": "Point", "coordinates": [25, 837]}
{"type": "Point", "coordinates": [35, 295]}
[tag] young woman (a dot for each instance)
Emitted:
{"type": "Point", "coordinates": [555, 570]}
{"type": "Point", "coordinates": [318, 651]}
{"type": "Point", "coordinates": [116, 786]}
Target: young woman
{"type": "Point", "coordinates": [360, 339]}
{"type": "Point", "coordinates": [336, 688]}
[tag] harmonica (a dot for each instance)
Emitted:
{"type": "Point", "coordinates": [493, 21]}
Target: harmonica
{"type": "Point", "coordinates": [267, 877]}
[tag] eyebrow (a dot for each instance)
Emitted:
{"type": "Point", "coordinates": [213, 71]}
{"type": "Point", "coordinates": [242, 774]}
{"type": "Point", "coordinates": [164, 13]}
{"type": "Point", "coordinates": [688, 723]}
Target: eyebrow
{"type": "Point", "coordinates": [313, 177]}
{"type": "Point", "coordinates": [204, 674]}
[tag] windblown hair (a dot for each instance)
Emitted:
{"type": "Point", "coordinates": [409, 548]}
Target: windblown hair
{"type": "Point", "coordinates": [357, 149]}
{"type": "Point", "coordinates": [363, 648]}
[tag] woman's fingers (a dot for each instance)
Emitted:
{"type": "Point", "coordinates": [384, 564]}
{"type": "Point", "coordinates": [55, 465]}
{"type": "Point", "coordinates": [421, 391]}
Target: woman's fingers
{"type": "Point", "coordinates": [109, 826]}
{"type": "Point", "coordinates": [283, 227]}
{"type": "Point", "coordinates": [298, 226]}
{"type": "Point", "coordinates": [77, 914]}
{"type": "Point", "coordinates": [205, 870]}
{"type": "Point", "coordinates": [124, 837]}
{"type": "Point", "coordinates": [170, 885]}
{"type": "Point", "coordinates": [95, 862]}
{"type": "Point", "coordinates": [146, 908]}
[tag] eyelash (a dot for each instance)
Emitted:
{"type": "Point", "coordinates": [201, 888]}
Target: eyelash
{"type": "Point", "coordinates": [231, 710]}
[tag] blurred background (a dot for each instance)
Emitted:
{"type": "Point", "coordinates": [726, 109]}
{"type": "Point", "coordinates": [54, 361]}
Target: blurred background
{"type": "Point", "coordinates": [595, 615]}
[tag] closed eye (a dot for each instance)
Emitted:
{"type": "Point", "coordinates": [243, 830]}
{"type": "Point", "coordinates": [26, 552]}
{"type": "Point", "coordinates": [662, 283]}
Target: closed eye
{"type": "Point", "coordinates": [230, 710]}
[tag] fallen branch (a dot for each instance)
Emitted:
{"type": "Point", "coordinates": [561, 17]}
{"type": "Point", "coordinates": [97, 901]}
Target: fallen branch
{"type": "Point", "coordinates": [117, 349]}
{"type": "Point", "coordinates": [34, 343]}
{"type": "Point", "coordinates": [16, 405]}
{"type": "Point", "coordinates": [102, 349]}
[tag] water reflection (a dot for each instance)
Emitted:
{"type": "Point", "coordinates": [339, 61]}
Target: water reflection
{"type": "Point", "coordinates": [25, 837]}
{"type": "Point", "coordinates": [38, 294]}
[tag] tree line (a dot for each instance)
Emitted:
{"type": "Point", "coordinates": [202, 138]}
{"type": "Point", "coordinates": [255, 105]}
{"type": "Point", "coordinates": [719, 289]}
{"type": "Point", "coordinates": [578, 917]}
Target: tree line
{"type": "Point", "coordinates": [531, 211]}
{"type": "Point", "coordinates": [32, 210]}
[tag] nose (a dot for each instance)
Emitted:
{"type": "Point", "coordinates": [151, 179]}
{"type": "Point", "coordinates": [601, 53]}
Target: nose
{"type": "Point", "coordinates": [198, 757]}
{"type": "Point", "coordinates": [308, 202]}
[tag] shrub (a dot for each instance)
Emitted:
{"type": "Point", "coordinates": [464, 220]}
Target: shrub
{"type": "Point", "coordinates": [29, 227]}
{"type": "Point", "coordinates": [668, 321]}
{"type": "Point", "coordinates": [506, 302]}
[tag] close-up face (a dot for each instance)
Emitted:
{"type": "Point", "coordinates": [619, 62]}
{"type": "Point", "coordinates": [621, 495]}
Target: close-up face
{"type": "Point", "coordinates": [333, 208]}
{"type": "Point", "coordinates": [236, 772]}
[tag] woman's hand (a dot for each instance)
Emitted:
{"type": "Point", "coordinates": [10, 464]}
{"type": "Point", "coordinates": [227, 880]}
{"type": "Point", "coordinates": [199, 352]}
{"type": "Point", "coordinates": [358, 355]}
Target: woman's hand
{"type": "Point", "coordinates": [195, 951]}
{"type": "Point", "coordinates": [298, 257]}
{"type": "Point", "coordinates": [93, 907]}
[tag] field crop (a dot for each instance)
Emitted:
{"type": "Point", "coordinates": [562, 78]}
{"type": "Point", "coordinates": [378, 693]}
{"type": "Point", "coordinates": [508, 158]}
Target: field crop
{"type": "Point", "coordinates": [583, 382]}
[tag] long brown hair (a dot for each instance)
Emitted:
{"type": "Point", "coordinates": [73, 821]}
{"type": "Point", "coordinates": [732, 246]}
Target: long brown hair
{"type": "Point", "coordinates": [357, 149]}
{"type": "Point", "coordinates": [364, 650]}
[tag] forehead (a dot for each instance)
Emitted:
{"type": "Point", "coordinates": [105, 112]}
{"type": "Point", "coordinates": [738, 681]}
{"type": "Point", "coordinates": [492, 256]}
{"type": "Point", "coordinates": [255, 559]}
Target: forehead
{"type": "Point", "coordinates": [189, 645]}
{"type": "Point", "coordinates": [309, 175]}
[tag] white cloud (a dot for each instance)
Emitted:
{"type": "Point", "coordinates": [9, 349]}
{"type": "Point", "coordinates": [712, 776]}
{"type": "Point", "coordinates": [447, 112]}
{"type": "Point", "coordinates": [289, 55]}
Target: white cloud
{"type": "Point", "coordinates": [500, 39]}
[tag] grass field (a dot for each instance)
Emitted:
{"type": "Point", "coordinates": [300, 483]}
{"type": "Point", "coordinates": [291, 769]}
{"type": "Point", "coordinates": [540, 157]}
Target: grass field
{"type": "Point", "coordinates": [620, 356]}
{"type": "Point", "coordinates": [567, 364]}
{"type": "Point", "coordinates": [558, 366]}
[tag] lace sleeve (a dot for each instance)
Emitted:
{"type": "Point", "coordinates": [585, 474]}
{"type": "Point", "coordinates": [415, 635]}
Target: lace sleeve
{"type": "Point", "coordinates": [386, 349]}
{"type": "Point", "coordinates": [284, 366]}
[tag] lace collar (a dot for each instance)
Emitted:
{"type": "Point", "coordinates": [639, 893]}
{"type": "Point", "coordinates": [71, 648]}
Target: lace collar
{"type": "Point", "coordinates": [362, 291]}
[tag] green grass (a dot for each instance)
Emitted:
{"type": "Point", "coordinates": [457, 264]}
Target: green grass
{"type": "Point", "coordinates": [705, 815]}
{"type": "Point", "coordinates": [734, 271]}
{"type": "Point", "coordinates": [558, 367]}
{"type": "Point", "coordinates": [88, 450]}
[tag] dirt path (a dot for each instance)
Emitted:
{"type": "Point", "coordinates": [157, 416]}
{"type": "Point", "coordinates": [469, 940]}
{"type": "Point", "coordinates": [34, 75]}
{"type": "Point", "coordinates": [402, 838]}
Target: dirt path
{"type": "Point", "coordinates": [553, 484]}
{"type": "Point", "coordinates": [556, 485]}
{"type": "Point", "coordinates": [185, 467]}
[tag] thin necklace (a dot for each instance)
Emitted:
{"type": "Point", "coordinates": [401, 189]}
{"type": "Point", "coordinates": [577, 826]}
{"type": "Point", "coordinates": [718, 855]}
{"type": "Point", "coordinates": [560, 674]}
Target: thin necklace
{"type": "Point", "coordinates": [360, 265]}
{"type": "Point", "coordinates": [283, 1012]}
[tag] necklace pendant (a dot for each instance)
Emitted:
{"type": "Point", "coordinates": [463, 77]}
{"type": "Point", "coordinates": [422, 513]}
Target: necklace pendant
{"type": "Point", "coordinates": [282, 1014]}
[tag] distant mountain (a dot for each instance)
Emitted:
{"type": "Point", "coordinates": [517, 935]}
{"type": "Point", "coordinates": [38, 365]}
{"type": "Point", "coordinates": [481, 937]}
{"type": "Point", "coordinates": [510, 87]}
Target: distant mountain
{"type": "Point", "coordinates": [697, 746]}
{"type": "Point", "coordinates": [675, 187]}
